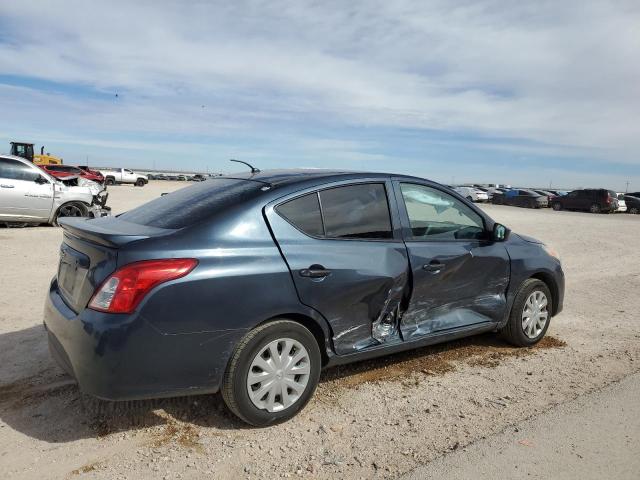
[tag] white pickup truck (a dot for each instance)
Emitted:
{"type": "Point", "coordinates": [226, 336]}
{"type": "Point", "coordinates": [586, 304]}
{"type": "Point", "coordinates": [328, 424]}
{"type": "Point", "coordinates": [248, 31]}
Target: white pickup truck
{"type": "Point", "coordinates": [124, 175]}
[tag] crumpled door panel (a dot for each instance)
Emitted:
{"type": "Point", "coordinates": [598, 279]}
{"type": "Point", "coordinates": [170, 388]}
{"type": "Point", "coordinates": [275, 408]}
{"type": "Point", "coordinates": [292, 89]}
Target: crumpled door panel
{"type": "Point", "coordinates": [367, 282]}
{"type": "Point", "coordinates": [469, 289]}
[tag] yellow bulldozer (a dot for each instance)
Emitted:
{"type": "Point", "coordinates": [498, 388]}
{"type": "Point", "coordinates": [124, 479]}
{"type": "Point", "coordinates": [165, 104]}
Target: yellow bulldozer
{"type": "Point", "coordinates": [25, 150]}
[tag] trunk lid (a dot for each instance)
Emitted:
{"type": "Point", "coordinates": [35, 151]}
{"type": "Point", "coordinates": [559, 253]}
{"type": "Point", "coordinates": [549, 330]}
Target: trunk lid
{"type": "Point", "coordinates": [89, 254]}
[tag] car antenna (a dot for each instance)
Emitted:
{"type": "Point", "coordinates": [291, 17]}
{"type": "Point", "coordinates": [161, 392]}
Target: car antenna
{"type": "Point", "coordinates": [253, 169]}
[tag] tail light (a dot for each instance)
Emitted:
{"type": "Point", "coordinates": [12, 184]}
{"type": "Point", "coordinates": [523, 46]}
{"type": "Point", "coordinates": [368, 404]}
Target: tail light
{"type": "Point", "coordinates": [127, 286]}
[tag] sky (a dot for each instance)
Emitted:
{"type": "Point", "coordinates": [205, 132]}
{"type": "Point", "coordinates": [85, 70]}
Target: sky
{"type": "Point", "coordinates": [526, 93]}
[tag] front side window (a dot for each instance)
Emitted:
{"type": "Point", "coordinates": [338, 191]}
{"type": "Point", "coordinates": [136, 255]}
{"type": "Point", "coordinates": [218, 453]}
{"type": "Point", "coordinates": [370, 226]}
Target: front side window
{"type": "Point", "coordinates": [435, 215]}
{"type": "Point", "coordinates": [14, 170]}
{"type": "Point", "coordinates": [356, 211]}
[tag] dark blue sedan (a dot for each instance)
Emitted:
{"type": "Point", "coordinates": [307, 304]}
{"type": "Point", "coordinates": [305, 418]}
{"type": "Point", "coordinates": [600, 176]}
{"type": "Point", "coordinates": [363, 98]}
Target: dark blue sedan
{"type": "Point", "coordinates": [250, 284]}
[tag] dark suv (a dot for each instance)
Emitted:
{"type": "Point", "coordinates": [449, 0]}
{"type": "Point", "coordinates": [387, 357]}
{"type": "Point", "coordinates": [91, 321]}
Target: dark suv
{"type": "Point", "coordinates": [594, 200]}
{"type": "Point", "coordinates": [251, 283]}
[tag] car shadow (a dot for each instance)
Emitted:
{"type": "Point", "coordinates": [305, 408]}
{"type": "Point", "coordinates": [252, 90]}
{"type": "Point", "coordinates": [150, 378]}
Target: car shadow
{"type": "Point", "coordinates": [39, 400]}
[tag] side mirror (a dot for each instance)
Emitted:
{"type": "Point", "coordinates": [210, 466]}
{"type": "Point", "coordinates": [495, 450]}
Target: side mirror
{"type": "Point", "coordinates": [40, 180]}
{"type": "Point", "coordinates": [500, 232]}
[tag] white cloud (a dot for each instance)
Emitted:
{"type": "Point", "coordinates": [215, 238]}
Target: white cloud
{"type": "Point", "coordinates": [561, 74]}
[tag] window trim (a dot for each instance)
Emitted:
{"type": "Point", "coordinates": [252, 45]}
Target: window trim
{"type": "Point", "coordinates": [407, 233]}
{"type": "Point", "coordinates": [396, 228]}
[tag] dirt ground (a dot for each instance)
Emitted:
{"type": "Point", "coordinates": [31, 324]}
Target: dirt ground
{"type": "Point", "coordinates": [377, 419]}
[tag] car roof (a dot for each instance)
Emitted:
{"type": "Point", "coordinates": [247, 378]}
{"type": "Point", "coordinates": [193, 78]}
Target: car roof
{"type": "Point", "coordinates": [291, 177]}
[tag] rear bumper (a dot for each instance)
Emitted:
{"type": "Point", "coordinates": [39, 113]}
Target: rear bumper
{"type": "Point", "coordinates": [118, 357]}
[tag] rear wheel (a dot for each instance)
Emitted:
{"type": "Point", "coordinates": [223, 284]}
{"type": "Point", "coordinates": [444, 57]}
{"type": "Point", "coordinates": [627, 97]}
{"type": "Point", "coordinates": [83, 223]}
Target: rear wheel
{"type": "Point", "coordinates": [595, 208]}
{"type": "Point", "coordinates": [273, 373]}
{"type": "Point", "coordinates": [71, 209]}
{"type": "Point", "coordinates": [110, 181]}
{"type": "Point", "coordinates": [530, 314]}
{"type": "Point", "coordinates": [633, 210]}
{"type": "Point", "coordinates": [557, 206]}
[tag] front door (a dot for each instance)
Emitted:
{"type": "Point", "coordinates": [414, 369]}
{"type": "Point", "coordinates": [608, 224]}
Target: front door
{"type": "Point", "coordinates": [459, 275]}
{"type": "Point", "coordinates": [347, 259]}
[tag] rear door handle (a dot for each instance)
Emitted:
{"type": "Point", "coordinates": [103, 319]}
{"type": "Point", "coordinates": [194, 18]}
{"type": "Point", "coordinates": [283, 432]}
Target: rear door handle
{"type": "Point", "coordinates": [434, 266]}
{"type": "Point", "coordinates": [7, 186]}
{"type": "Point", "coordinates": [315, 271]}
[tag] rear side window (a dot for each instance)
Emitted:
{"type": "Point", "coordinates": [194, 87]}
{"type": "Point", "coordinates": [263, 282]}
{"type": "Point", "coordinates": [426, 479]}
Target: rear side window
{"type": "Point", "coordinates": [304, 214]}
{"type": "Point", "coordinates": [193, 204]}
{"type": "Point", "coordinates": [356, 211]}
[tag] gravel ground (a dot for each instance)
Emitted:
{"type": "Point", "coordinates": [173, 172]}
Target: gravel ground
{"type": "Point", "coordinates": [377, 419]}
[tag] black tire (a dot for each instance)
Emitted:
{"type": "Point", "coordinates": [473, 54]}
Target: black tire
{"type": "Point", "coordinates": [110, 181]}
{"type": "Point", "coordinates": [140, 182]}
{"type": "Point", "coordinates": [234, 385]}
{"type": "Point", "coordinates": [513, 331]}
{"type": "Point", "coordinates": [633, 210]}
{"type": "Point", "coordinates": [557, 206]}
{"type": "Point", "coordinates": [595, 208]}
{"type": "Point", "coordinates": [470, 198]}
{"type": "Point", "coordinates": [71, 209]}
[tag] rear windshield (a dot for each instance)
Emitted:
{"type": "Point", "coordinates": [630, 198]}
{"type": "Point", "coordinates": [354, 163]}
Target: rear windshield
{"type": "Point", "coordinates": [193, 204]}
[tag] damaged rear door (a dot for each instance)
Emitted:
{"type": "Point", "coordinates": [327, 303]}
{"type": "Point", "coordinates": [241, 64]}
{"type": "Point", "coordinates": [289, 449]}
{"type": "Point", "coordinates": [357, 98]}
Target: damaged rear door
{"type": "Point", "coordinates": [459, 274]}
{"type": "Point", "coordinates": [347, 258]}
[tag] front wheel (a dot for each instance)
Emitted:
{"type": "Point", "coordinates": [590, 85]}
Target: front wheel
{"type": "Point", "coordinates": [71, 209]}
{"type": "Point", "coordinates": [272, 373]}
{"type": "Point", "coordinates": [633, 210]}
{"type": "Point", "coordinates": [530, 314]}
{"type": "Point", "coordinates": [595, 208]}
{"type": "Point", "coordinates": [140, 182]}
{"type": "Point", "coordinates": [557, 206]}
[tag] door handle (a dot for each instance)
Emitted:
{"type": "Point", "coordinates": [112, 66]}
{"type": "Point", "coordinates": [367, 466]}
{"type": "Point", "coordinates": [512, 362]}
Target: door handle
{"type": "Point", "coordinates": [7, 186]}
{"type": "Point", "coordinates": [433, 266]}
{"type": "Point", "coordinates": [315, 271]}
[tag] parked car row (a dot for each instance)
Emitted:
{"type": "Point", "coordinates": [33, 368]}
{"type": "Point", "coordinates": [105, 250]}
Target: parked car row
{"type": "Point", "coordinates": [594, 200]}
{"type": "Point", "coordinates": [179, 178]}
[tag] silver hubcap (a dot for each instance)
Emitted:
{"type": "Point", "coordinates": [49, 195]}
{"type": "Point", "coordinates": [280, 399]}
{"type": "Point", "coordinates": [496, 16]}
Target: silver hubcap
{"type": "Point", "coordinates": [278, 375]}
{"type": "Point", "coordinates": [535, 314]}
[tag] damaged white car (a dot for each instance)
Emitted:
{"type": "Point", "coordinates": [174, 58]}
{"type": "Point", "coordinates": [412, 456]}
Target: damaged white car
{"type": "Point", "coordinates": [29, 195]}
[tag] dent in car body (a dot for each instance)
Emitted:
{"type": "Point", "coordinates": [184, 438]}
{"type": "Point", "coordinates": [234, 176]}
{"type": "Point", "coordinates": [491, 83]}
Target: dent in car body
{"type": "Point", "coordinates": [368, 278]}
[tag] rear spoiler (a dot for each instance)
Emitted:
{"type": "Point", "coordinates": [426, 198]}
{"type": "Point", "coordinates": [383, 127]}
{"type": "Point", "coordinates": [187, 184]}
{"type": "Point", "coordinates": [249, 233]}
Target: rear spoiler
{"type": "Point", "coordinates": [108, 231]}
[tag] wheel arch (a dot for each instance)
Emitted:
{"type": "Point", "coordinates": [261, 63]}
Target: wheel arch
{"type": "Point", "coordinates": [54, 215]}
{"type": "Point", "coordinates": [550, 282]}
{"type": "Point", "coordinates": [318, 327]}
